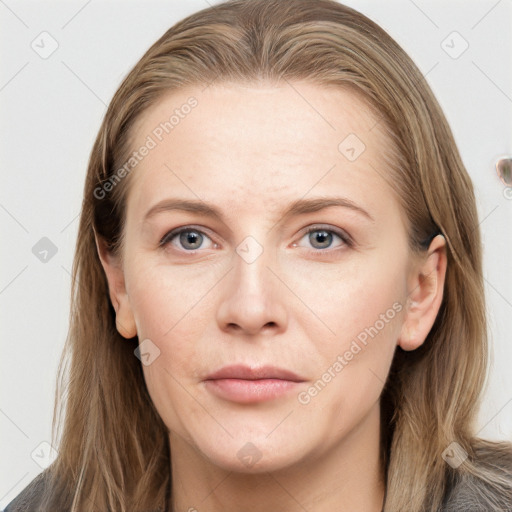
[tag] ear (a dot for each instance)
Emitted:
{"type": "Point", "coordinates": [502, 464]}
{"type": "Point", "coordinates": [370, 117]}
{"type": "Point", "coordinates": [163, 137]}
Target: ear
{"type": "Point", "coordinates": [426, 286]}
{"type": "Point", "coordinates": [125, 321]}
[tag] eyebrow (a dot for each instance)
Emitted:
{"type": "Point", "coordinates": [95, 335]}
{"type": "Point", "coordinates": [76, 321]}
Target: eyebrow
{"type": "Point", "coordinates": [298, 207]}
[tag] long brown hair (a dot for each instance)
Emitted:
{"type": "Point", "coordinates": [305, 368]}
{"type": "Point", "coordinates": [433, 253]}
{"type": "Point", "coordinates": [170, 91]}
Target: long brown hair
{"type": "Point", "coordinates": [113, 451]}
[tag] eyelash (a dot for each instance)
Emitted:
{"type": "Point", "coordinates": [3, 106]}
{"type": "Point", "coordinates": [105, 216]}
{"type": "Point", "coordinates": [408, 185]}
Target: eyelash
{"type": "Point", "coordinates": [345, 238]}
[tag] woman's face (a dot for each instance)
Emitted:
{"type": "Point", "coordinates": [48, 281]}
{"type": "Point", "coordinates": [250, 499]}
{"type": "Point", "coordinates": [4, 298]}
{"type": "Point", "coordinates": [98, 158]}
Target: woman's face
{"type": "Point", "coordinates": [308, 322]}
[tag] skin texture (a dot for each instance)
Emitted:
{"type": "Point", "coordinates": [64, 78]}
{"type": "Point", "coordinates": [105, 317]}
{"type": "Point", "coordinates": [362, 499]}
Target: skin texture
{"type": "Point", "coordinates": [251, 151]}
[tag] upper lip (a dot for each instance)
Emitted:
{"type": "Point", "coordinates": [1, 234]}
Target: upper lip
{"type": "Point", "coordinates": [254, 373]}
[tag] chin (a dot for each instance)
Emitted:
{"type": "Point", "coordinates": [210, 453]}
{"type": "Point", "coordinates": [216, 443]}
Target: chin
{"type": "Point", "coordinates": [254, 454]}
{"type": "Point", "coordinates": [254, 461]}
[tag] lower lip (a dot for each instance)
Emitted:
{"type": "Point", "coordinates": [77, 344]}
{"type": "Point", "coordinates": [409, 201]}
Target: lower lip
{"type": "Point", "coordinates": [250, 391]}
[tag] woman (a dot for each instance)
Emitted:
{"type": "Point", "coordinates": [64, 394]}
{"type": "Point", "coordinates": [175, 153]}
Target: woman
{"type": "Point", "coordinates": [278, 296]}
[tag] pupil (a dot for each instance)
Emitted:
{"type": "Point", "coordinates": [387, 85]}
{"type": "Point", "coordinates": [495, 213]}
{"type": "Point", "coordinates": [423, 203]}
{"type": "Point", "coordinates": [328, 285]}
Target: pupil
{"type": "Point", "coordinates": [322, 237]}
{"type": "Point", "coordinates": [190, 237]}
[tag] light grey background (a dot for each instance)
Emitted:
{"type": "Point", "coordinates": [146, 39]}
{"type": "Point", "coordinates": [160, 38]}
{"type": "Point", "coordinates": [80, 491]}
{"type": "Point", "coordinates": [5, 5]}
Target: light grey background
{"type": "Point", "coordinates": [52, 108]}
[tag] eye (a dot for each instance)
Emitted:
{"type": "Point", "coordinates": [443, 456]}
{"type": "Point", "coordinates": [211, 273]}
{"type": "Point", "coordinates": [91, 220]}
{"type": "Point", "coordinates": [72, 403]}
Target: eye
{"type": "Point", "coordinates": [187, 238]}
{"type": "Point", "coordinates": [322, 238]}
{"type": "Point", "coordinates": [191, 239]}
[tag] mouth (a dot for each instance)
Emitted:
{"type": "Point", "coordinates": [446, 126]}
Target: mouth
{"type": "Point", "coordinates": [245, 385]}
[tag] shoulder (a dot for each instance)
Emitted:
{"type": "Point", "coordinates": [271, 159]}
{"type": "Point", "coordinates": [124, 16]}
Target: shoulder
{"type": "Point", "coordinates": [29, 499]}
{"type": "Point", "coordinates": [487, 486]}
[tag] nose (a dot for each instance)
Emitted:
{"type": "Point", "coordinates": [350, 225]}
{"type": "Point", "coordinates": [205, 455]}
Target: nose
{"type": "Point", "coordinates": [252, 300]}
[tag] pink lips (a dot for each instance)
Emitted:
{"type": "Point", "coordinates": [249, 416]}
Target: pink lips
{"type": "Point", "coordinates": [246, 385]}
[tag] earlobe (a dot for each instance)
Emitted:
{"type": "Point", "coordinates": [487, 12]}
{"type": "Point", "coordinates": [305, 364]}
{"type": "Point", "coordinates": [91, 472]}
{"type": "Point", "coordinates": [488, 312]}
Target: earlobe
{"type": "Point", "coordinates": [125, 321]}
{"type": "Point", "coordinates": [426, 287]}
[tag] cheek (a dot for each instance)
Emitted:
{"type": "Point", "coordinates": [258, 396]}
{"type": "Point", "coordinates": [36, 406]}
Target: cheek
{"type": "Point", "coordinates": [334, 303]}
{"type": "Point", "coordinates": [169, 303]}
{"type": "Point", "coordinates": [169, 312]}
{"type": "Point", "coordinates": [363, 308]}
{"type": "Point", "coordinates": [349, 381]}
{"type": "Point", "coordinates": [172, 311]}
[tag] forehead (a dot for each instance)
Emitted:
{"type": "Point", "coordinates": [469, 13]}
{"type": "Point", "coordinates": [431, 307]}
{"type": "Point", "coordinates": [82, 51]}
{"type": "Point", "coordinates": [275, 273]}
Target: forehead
{"type": "Point", "coordinates": [259, 145]}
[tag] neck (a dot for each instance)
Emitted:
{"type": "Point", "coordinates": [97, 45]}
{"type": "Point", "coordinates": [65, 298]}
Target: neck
{"type": "Point", "coordinates": [345, 477]}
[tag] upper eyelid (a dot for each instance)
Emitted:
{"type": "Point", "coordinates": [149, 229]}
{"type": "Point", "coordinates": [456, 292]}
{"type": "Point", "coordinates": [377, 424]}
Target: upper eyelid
{"type": "Point", "coordinates": [318, 227]}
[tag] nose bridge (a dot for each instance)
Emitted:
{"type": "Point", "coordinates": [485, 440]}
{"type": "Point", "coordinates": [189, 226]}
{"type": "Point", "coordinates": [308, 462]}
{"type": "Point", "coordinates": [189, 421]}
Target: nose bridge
{"type": "Point", "coordinates": [251, 301]}
{"type": "Point", "coordinates": [251, 269]}
{"type": "Point", "coordinates": [252, 277]}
